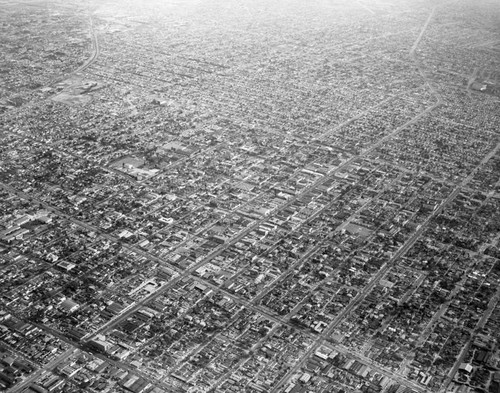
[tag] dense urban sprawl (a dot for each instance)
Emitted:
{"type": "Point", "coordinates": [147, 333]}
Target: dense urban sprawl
{"type": "Point", "coordinates": [255, 196]}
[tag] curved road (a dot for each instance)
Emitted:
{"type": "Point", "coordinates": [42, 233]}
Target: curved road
{"type": "Point", "coordinates": [95, 48]}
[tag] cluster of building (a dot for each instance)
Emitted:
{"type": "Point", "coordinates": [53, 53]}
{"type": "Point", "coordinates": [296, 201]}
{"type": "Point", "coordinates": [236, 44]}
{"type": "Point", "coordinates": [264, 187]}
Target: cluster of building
{"type": "Point", "coordinates": [242, 211]}
{"type": "Point", "coordinates": [36, 51]}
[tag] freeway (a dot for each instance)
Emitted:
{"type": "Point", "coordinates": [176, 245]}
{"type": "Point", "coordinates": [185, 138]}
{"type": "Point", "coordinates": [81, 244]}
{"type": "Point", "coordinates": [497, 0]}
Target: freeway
{"type": "Point", "coordinates": [422, 32]}
{"type": "Point", "coordinates": [96, 50]}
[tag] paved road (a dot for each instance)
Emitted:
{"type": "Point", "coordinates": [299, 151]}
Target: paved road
{"type": "Point", "coordinates": [361, 296]}
{"type": "Point", "coordinates": [48, 367]}
{"type": "Point", "coordinates": [376, 367]}
{"type": "Point", "coordinates": [96, 50]}
{"type": "Point", "coordinates": [422, 32]}
{"type": "Point", "coordinates": [486, 315]}
{"type": "Point", "coordinates": [218, 251]}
